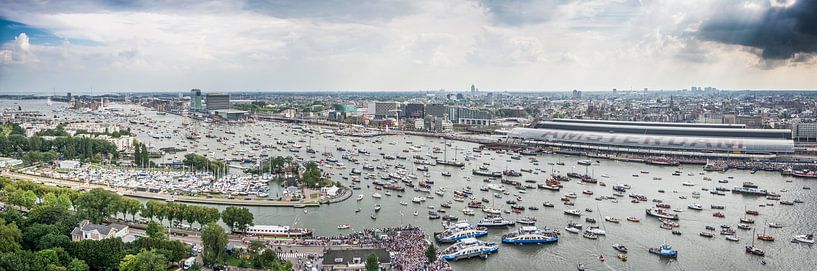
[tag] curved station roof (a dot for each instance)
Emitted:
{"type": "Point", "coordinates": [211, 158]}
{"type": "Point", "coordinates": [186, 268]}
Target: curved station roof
{"type": "Point", "coordinates": [679, 141]}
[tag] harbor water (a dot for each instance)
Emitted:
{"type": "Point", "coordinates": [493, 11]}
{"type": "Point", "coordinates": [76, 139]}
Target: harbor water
{"type": "Point", "coordinates": [694, 252]}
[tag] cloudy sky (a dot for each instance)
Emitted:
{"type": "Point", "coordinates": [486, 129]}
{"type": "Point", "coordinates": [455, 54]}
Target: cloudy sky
{"type": "Point", "coordinates": [154, 45]}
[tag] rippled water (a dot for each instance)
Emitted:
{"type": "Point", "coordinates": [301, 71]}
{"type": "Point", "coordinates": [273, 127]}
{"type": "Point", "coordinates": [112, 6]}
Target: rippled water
{"type": "Point", "coordinates": [695, 252]}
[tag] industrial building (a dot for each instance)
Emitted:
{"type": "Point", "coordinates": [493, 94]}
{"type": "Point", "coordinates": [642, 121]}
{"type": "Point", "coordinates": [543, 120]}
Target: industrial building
{"type": "Point", "coordinates": [686, 139]}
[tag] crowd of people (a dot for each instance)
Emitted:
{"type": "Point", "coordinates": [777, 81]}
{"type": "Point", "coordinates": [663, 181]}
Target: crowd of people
{"type": "Point", "coordinates": [407, 245]}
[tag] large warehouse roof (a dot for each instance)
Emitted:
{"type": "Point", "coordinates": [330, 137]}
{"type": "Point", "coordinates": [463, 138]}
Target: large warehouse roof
{"type": "Point", "coordinates": [667, 130]}
{"type": "Point", "coordinates": [647, 123]}
{"type": "Point", "coordinates": [676, 142]}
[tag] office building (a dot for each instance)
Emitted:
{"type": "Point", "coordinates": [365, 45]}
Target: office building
{"type": "Point", "coordinates": [195, 100]}
{"type": "Point", "coordinates": [414, 110]}
{"type": "Point", "coordinates": [218, 101]}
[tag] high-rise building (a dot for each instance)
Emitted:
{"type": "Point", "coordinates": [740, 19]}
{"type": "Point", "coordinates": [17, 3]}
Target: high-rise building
{"type": "Point", "coordinates": [436, 110]}
{"type": "Point", "coordinates": [414, 110]}
{"type": "Point", "coordinates": [218, 101]}
{"type": "Point", "coordinates": [195, 100]}
{"type": "Point", "coordinates": [386, 109]}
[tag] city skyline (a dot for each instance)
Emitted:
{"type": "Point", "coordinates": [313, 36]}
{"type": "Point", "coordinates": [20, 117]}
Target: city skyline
{"type": "Point", "coordinates": [144, 46]}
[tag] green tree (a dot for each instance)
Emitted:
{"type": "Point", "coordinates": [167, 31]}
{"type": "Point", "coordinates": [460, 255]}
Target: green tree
{"type": "Point", "coordinates": [77, 265]}
{"type": "Point", "coordinates": [97, 204]}
{"type": "Point", "coordinates": [131, 206]}
{"type": "Point", "coordinates": [104, 254]}
{"type": "Point", "coordinates": [146, 260]}
{"type": "Point", "coordinates": [431, 253]}
{"type": "Point", "coordinates": [33, 233]}
{"type": "Point", "coordinates": [372, 263]}
{"type": "Point", "coordinates": [10, 237]}
{"type": "Point", "coordinates": [313, 177]}
{"type": "Point", "coordinates": [214, 241]}
{"type": "Point", "coordinates": [237, 218]}
{"type": "Point", "coordinates": [53, 215]}
{"type": "Point", "coordinates": [24, 198]}
{"type": "Point", "coordinates": [156, 231]}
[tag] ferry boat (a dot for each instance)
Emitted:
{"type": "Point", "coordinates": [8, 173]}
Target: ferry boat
{"type": "Point", "coordinates": [459, 231]}
{"type": "Point", "coordinates": [528, 235]}
{"type": "Point", "coordinates": [663, 162]}
{"type": "Point", "coordinates": [656, 212]}
{"type": "Point", "coordinates": [277, 231]}
{"type": "Point", "coordinates": [750, 191]}
{"type": "Point", "coordinates": [528, 220]}
{"type": "Point", "coordinates": [495, 174]}
{"type": "Point", "coordinates": [468, 248]}
{"type": "Point", "coordinates": [665, 251]}
{"type": "Point", "coordinates": [495, 221]}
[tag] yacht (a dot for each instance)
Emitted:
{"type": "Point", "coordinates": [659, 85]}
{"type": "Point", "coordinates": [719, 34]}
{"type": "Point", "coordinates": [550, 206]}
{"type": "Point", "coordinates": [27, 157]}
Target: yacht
{"type": "Point", "coordinates": [528, 235]}
{"type": "Point", "coordinates": [573, 212]}
{"type": "Point", "coordinates": [596, 230]}
{"type": "Point", "coordinates": [805, 238]}
{"type": "Point", "coordinates": [495, 221]}
{"type": "Point", "coordinates": [656, 212]}
{"type": "Point", "coordinates": [468, 248]}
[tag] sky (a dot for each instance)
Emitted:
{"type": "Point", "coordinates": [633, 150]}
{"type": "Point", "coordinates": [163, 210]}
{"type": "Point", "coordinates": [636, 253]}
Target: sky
{"type": "Point", "coordinates": [548, 45]}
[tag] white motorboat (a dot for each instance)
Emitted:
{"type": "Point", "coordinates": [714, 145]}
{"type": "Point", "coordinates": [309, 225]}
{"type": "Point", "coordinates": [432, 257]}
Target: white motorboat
{"type": "Point", "coordinates": [805, 238]}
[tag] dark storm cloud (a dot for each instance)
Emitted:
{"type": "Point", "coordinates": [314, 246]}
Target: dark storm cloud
{"type": "Point", "coordinates": [779, 33]}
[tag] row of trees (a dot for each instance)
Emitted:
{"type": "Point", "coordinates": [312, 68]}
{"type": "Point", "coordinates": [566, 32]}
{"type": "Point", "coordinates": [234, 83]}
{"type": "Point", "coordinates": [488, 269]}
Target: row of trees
{"type": "Point", "coordinates": [38, 148]}
{"type": "Point", "coordinates": [98, 204]}
{"type": "Point", "coordinates": [40, 240]}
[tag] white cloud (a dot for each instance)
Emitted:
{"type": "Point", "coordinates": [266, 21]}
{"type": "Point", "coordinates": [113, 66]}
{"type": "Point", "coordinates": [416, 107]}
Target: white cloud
{"type": "Point", "coordinates": [17, 51]}
{"type": "Point", "coordinates": [421, 45]}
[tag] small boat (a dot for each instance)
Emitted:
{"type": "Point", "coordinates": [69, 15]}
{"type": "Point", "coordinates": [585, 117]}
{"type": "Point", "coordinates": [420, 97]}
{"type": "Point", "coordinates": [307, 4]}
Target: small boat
{"type": "Point", "coordinates": [343, 226]}
{"type": "Point", "coordinates": [633, 219]}
{"type": "Point", "coordinates": [676, 232]}
{"type": "Point", "coordinates": [732, 238]}
{"type": "Point", "coordinates": [805, 238]}
{"type": "Point", "coordinates": [620, 248]}
{"type": "Point", "coordinates": [706, 234]}
{"type": "Point", "coordinates": [719, 214]}
{"type": "Point", "coordinates": [622, 257]}
{"type": "Point", "coordinates": [572, 212]}
{"type": "Point", "coordinates": [590, 235]}
{"type": "Point", "coordinates": [664, 251]}
{"type": "Point", "coordinates": [611, 219]}
{"type": "Point", "coordinates": [755, 251]}
{"type": "Point", "coordinates": [775, 225]}
{"type": "Point", "coordinates": [359, 197]}
{"type": "Point", "coordinates": [572, 229]}
{"type": "Point", "coordinates": [695, 206]}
